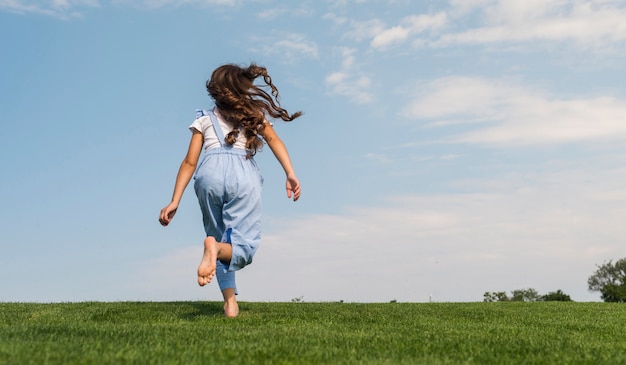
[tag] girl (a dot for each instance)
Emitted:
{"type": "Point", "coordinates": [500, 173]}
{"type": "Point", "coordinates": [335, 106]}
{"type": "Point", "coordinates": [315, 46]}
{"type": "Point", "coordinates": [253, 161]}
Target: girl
{"type": "Point", "coordinates": [228, 182]}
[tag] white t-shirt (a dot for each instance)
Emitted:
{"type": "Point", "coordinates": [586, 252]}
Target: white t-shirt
{"type": "Point", "coordinates": [204, 126]}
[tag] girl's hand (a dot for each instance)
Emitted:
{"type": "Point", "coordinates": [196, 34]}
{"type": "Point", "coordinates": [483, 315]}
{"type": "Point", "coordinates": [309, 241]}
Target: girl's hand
{"type": "Point", "coordinates": [167, 214]}
{"type": "Point", "coordinates": [293, 187]}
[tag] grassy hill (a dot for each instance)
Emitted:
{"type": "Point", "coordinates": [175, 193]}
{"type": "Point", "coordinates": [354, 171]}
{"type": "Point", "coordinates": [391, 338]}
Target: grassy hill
{"type": "Point", "coordinates": [313, 333]}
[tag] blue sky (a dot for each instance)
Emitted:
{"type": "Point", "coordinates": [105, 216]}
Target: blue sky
{"type": "Point", "coordinates": [448, 148]}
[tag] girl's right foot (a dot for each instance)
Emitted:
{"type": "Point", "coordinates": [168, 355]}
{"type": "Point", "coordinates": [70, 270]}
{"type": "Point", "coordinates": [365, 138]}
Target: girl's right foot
{"type": "Point", "coordinates": [231, 309]}
{"type": "Point", "coordinates": [208, 265]}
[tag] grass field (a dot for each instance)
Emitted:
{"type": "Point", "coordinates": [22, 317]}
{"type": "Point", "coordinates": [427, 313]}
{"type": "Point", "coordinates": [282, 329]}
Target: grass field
{"type": "Point", "coordinates": [313, 333]}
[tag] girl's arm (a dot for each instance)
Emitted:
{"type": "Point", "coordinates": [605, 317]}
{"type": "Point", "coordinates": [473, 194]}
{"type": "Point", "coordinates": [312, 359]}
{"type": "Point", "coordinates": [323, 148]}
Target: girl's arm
{"type": "Point", "coordinates": [280, 152]}
{"type": "Point", "coordinates": [185, 172]}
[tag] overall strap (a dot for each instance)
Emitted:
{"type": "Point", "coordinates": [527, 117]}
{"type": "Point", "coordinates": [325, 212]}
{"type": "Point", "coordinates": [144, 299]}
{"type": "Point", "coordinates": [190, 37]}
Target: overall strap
{"type": "Point", "coordinates": [217, 127]}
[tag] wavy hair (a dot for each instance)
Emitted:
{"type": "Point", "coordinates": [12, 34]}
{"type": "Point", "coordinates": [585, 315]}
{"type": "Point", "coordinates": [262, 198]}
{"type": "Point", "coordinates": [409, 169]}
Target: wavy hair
{"type": "Point", "coordinates": [244, 104]}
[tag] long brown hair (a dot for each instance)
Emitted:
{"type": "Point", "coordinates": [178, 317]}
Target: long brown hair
{"type": "Point", "coordinates": [244, 104]}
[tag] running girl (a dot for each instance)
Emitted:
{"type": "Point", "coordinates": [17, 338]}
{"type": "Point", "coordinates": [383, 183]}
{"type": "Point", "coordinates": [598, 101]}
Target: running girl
{"type": "Point", "coordinates": [227, 180]}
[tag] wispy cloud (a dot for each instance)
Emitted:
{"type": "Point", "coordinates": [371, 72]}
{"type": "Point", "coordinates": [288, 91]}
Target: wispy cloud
{"type": "Point", "coordinates": [301, 10]}
{"type": "Point", "coordinates": [454, 246]}
{"type": "Point", "coordinates": [56, 8]}
{"type": "Point", "coordinates": [505, 113]}
{"type": "Point", "coordinates": [348, 82]}
{"type": "Point", "coordinates": [409, 26]}
{"type": "Point", "coordinates": [362, 30]}
{"type": "Point", "coordinates": [288, 47]}
{"type": "Point", "coordinates": [378, 158]}
{"type": "Point", "coordinates": [66, 9]}
{"type": "Point", "coordinates": [152, 4]}
{"type": "Point", "coordinates": [546, 220]}
{"type": "Point", "coordinates": [589, 24]}
{"type": "Point", "coordinates": [586, 23]}
{"type": "Point", "coordinates": [340, 4]}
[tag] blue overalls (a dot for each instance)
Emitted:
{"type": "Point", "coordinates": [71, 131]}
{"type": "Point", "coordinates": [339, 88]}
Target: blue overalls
{"type": "Point", "coordinates": [228, 187]}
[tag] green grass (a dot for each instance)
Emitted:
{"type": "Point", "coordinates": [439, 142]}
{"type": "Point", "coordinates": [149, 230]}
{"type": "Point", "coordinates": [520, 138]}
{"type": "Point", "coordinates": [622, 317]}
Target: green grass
{"type": "Point", "coordinates": [313, 333]}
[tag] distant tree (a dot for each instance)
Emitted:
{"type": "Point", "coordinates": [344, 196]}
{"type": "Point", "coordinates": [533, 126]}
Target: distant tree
{"type": "Point", "coordinates": [519, 295]}
{"type": "Point", "coordinates": [555, 296]}
{"type": "Point", "coordinates": [495, 297]}
{"type": "Point", "coordinates": [610, 281]}
{"type": "Point", "coordinates": [525, 295]}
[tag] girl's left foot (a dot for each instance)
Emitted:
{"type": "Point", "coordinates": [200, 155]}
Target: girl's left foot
{"type": "Point", "coordinates": [208, 265]}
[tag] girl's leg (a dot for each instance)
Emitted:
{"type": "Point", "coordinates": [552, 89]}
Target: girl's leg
{"type": "Point", "coordinates": [226, 279]}
{"type": "Point", "coordinates": [213, 251]}
{"type": "Point", "coordinates": [231, 308]}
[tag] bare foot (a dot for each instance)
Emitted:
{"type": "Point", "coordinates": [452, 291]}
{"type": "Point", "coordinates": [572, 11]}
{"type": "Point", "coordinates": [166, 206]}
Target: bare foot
{"type": "Point", "coordinates": [231, 309]}
{"type": "Point", "coordinates": [208, 265]}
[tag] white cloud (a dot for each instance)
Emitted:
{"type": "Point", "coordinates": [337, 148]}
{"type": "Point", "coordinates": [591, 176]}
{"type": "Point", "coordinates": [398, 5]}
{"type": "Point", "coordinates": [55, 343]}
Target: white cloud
{"type": "Point", "coordinates": [378, 158]}
{"type": "Point", "coordinates": [545, 232]}
{"type": "Point", "coordinates": [421, 23]}
{"type": "Point", "coordinates": [341, 4]}
{"type": "Point", "coordinates": [589, 23]}
{"type": "Point", "coordinates": [508, 114]}
{"type": "Point", "coordinates": [335, 78]}
{"type": "Point", "coordinates": [56, 8]}
{"type": "Point", "coordinates": [274, 13]}
{"type": "Point", "coordinates": [388, 36]}
{"type": "Point", "coordinates": [361, 30]}
{"type": "Point", "coordinates": [151, 4]}
{"type": "Point", "coordinates": [336, 19]}
{"type": "Point", "coordinates": [296, 45]}
{"type": "Point", "coordinates": [290, 47]}
{"type": "Point", "coordinates": [175, 271]}
{"type": "Point", "coordinates": [65, 9]}
{"type": "Point", "coordinates": [348, 82]}
{"type": "Point", "coordinates": [355, 88]}
{"type": "Point", "coordinates": [463, 7]}
{"type": "Point", "coordinates": [414, 24]}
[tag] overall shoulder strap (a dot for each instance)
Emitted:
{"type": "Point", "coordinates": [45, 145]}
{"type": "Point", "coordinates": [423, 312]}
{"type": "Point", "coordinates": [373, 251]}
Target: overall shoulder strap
{"type": "Point", "coordinates": [217, 127]}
